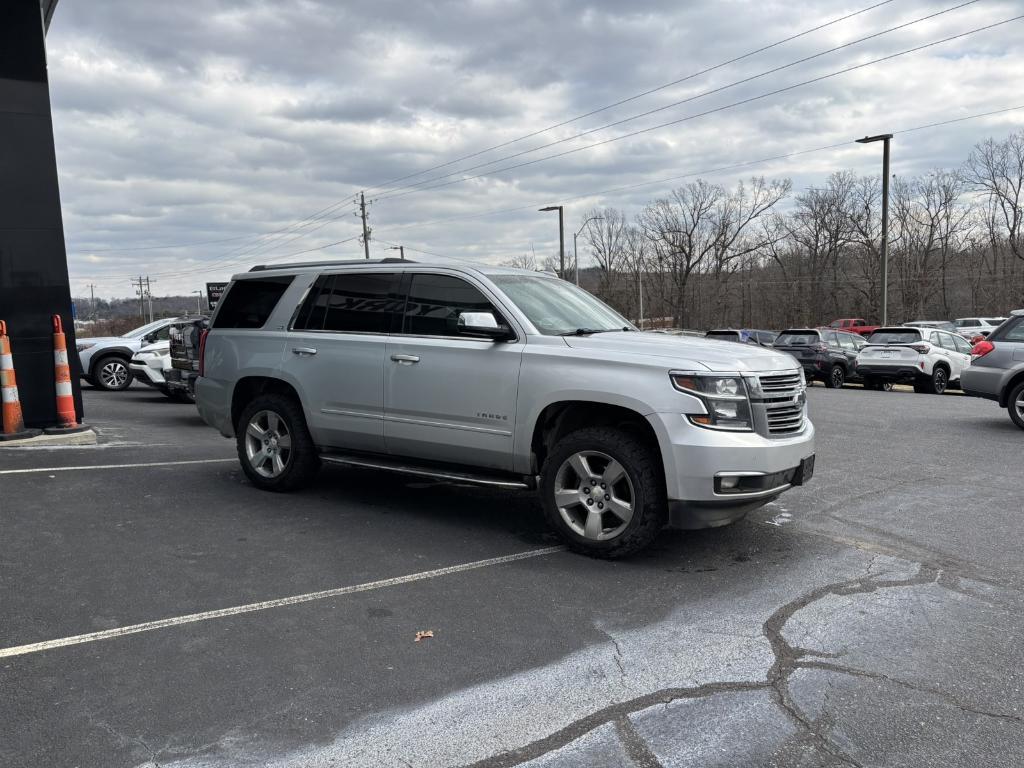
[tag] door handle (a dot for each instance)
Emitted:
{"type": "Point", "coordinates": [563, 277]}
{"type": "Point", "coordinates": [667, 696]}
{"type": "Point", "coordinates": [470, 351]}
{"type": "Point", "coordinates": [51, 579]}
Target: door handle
{"type": "Point", "coordinates": [303, 351]}
{"type": "Point", "coordinates": [405, 359]}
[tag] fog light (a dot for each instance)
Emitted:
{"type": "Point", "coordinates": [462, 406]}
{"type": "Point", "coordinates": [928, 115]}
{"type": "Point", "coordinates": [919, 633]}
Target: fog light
{"type": "Point", "coordinates": [728, 482]}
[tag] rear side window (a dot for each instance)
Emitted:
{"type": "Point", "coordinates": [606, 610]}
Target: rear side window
{"type": "Point", "coordinates": [1012, 330]}
{"type": "Point", "coordinates": [349, 303]}
{"type": "Point", "coordinates": [909, 336]}
{"type": "Point", "coordinates": [436, 301]}
{"type": "Point", "coordinates": [846, 342]}
{"type": "Point", "coordinates": [249, 303]}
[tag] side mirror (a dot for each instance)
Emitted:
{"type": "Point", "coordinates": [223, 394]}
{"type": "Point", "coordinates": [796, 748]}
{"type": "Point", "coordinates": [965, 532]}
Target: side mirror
{"type": "Point", "coordinates": [149, 338]}
{"type": "Point", "coordinates": [482, 324]}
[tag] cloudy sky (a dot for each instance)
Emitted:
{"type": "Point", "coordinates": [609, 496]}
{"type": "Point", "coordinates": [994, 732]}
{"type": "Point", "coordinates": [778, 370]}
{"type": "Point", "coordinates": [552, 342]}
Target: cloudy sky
{"type": "Point", "coordinates": [242, 131]}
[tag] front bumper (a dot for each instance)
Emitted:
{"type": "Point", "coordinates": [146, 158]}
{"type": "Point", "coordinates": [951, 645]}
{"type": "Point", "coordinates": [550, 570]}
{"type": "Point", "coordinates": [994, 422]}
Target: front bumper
{"type": "Point", "coordinates": [696, 459]}
{"type": "Point", "coordinates": [148, 372]}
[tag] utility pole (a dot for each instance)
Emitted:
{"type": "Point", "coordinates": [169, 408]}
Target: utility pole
{"type": "Point", "coordinates": [561, 237]}
{"type": "Point", "coordinates": [137, 285]}
{"type": "Point", "coordinates": [400, 249]}
{"type": "Point", "coordinates": [92, 299]}
{"type": "Point", "coordinates": [199, 302]}
{"type": "Point", "coordinates": [884, 138]}
{"type": "Point", "coordinates": [366, 234]}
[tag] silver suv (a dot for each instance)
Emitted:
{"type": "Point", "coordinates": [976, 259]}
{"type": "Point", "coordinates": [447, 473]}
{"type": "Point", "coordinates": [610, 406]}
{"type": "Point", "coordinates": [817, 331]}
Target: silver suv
{"type": "Point", "coordinates": [997, 372]}
{"type": "Point", "coordinates": [506, 378]}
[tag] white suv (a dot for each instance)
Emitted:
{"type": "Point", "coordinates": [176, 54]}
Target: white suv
{"type": "Point", "coordinates": [929, 359]}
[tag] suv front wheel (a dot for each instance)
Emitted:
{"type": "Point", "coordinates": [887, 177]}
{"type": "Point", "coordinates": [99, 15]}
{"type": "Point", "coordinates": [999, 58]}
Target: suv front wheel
{"type": "Point", "coordinates": [274, 445]}
{"type": "Point", "coordinates": [603, 491]}
{"type": "Point", "coordinates": [1015, 405]}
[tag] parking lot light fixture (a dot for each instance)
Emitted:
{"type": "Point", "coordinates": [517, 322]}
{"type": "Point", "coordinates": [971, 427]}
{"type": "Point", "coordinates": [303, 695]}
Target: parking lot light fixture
{"type": "Point", "coordinates": [561, 236]}
{"type": "Point", "coordinates": [884, 138]}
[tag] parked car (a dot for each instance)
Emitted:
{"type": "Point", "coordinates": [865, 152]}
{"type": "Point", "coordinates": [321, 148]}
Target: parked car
{"type": "Point", "coordinates": [826, 355]}
{"type": "Point", "coordinates": [500, 377]}
{"type": "Point", "coordinates": [856, 325]}
{"type": "Point", "coordinates": [997, 372]}
{"type": "Point", "coordinates": [148, 364]}
{"type": "Point", "coordinates": [972, 327]}
{"type": "Point", "coordinates": [743, 336]}
{"type": "Point", "coordinates": [930, 359]}
{"type": "Point", "coordinates": [941, 325]}
{"type": "Point", "coordinates": [105, 359]}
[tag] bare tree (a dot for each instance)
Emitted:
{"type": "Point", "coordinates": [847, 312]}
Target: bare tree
{"type": "Point", "coordinates": [996, 169]}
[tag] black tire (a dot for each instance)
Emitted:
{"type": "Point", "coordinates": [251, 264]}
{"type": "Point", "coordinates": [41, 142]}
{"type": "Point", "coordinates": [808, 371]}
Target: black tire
{"type": "Point", "coordinates": [938, 383]}
{"type": "Point", "coordinates": [836, 377]}
{"type": "Point", "coordinates": [646, 482]}
{"type": "Point", "coordinates": [111, 373]}
{"type": "Point", "coordinates": [1016, 411]}
{"type": "Point", "coordinates": [300, 463]}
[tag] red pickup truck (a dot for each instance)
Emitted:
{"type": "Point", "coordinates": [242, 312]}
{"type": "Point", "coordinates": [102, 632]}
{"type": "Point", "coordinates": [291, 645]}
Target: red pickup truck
{"type": "Point", "coordinates": [854, 325]}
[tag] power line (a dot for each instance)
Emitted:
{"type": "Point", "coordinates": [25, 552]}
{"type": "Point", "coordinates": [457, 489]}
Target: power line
{"type": "Point", "coordinates": [636, 96]}
{"type": "Point", "coordinates": [723, 108]}
{"type": "Point", "coordinates": [702, 94]}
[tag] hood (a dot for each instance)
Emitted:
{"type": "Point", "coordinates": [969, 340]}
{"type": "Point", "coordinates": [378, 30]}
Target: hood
{"type": "Point", "coordinates": [687, 352]}
{"type": "Point", "coordinates": [157, 346]}
{"type": "Point", "coordinates": [102, 339]}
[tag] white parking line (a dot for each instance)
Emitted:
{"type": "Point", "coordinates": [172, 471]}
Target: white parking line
{"type": "Point", "coordinates": [112, 466]}
{"type": "Point", "coordinates": [110, 634]}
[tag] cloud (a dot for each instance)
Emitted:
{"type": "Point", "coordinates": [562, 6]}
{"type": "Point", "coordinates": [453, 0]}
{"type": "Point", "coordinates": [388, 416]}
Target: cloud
{"type": "Point", "coordinates": [188, 122]}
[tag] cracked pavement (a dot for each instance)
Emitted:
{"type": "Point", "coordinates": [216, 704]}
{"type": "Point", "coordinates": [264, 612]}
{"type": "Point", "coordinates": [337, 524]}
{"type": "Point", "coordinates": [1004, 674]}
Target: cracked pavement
{"type": "Point", "coordinates": [872, 618]}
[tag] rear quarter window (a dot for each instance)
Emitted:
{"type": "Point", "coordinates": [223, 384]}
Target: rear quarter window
{"type": "Point", "coordinates": [250, 302]}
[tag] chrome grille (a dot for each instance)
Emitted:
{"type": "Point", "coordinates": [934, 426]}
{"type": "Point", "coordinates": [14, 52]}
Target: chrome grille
{"type": "Point", "coordinates": [785, 419]}
{"type": "Point", "coordinates": [783, 403]}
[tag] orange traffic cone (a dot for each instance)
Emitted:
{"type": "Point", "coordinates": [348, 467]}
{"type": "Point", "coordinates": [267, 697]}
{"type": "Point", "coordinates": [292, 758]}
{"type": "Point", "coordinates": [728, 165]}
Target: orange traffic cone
{"type": "Point", "coordinates": [13, 422]}
{"type": "Point", "coordinates": [66, 415]}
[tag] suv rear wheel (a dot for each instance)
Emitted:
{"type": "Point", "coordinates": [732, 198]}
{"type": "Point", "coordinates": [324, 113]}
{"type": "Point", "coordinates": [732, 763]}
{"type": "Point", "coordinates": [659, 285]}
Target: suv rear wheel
{"type": "Point", "coordinates": [603, 491]}
{"type": "Point", "coordinates": [936, 384]}
{"type": "Point", "coordinates": [836, 377]}
{"type": "Point", "coordinates": [274, 445]}
{"type": "Point", "coordinates": [1015, 405]}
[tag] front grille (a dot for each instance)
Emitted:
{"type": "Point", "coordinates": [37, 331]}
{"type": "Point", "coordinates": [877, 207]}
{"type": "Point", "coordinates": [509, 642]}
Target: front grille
{"type": "Point", "coordinates": [785, 419]}
{"type": "Point", "coordinates": [783, 404]}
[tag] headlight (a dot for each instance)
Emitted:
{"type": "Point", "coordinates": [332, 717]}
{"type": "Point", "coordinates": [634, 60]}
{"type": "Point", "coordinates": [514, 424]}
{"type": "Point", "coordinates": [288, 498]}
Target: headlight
{"type": "Point", "coordinates": [724, 397]}
{"type": "Point", "coordinates": [81, 346]}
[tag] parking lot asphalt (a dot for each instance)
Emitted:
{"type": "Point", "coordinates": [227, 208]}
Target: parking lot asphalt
{"type": "Point", "coordinates": [167, 613]}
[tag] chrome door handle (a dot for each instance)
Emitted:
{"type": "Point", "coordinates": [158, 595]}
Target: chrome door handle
{"type": "Point", "coordinates": [303, 351]}
{"type": "Point", "coordinates": [405, 359]}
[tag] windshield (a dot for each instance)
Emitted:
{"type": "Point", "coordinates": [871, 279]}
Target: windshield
{"type": "Point", "coordinates": [796, 339]}
{"type": "Point", "coordinates": [556, 307]}
{"type": "Point", "coordinates": [908, 336]}
{"type": "Point", "coordinates": [142, 330]}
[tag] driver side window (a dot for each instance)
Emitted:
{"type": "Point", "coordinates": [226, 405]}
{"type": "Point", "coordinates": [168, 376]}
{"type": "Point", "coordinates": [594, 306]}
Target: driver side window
{"type": "Point", "coordinates": [436, 301]}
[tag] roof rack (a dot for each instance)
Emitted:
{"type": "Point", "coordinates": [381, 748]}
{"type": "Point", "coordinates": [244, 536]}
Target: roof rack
{"type": "Point", "coordinates": [335, 263]}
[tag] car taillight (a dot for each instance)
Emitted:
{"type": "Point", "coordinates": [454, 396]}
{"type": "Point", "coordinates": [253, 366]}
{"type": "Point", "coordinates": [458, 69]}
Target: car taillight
{"type": "Point", "coordinates": [202, 352]}
{"type": "Point", "coordinates": [981, 349]}
{"type": "Point", "coordinates": [921, 349]}
{"type": "Point", "coordinates": [820, 347]}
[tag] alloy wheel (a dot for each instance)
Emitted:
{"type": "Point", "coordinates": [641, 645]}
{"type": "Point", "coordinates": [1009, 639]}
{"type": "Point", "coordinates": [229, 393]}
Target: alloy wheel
{"type": "Point", "coordinates": [114, 374]}
{"type": "Point", "coordinates": [268, 444]}
{"type": "Point", "coordinates": [594, 495]}
{"type": "Point", "coordinates": [939, 380]}
{"type": "Point", "coordinates": [1019, 405]}
{"type": "Point", "coordinates": [838, 378]}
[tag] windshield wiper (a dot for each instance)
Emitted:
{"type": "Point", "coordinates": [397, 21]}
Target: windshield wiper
{"type": "Point", "coordinates": [589, 331]}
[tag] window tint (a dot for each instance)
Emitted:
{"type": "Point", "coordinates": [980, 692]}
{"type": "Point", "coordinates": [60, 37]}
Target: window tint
{"type": "Point", "coordinates": [766, 337]}
{"type": "Point", "coordinates": [723, 335]}
{"type": "Point", "coordinates": [350, 303]}
{"type": "Point", "coordinates": [249, 303]}
{"type": "Point", "coordinates": [909, 336]}
{"type": "Point", "coordinates": [946, 341]}
{"type": "Point", "coordinates": [1009, 331]}
{"type": "Point", "coordinates": [436, 301]}
{"type": "Point", "coordinates": [846, 342]}
{"type": "Point", "coordinates": [962, 345]}
{"type": "Point", "coordinates": [797, 339]}
{"type": "Point", "coordinates": [163, 334]}
{"type": "Point", "coordinates": [831, 338]}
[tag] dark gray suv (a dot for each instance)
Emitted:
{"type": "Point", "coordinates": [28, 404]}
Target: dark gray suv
{"type": "Point", "coordinates": [997, 370]}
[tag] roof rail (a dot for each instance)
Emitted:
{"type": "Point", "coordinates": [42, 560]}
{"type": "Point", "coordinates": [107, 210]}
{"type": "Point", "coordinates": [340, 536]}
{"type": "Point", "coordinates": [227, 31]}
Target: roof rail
{"type": "Point", "coordinates": [335, 263]}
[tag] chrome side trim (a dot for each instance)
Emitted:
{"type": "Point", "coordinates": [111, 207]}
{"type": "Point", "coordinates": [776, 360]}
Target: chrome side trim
{"type": "Point", "coordinates": [356, 414]}
{"type": "Point", "coordinates": [447, 425]}
{"type": "Point", "coordinates": [406, 469]}
{"type": "Point", "coordinates": [753, 494]}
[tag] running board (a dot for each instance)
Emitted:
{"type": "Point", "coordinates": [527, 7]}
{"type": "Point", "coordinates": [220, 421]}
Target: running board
{"type": "Point", "coordinates": [421, 471]}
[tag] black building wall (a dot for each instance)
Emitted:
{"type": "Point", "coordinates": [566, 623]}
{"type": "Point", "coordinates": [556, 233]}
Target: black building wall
{"type": "Point", "coordinates": [33, 262]}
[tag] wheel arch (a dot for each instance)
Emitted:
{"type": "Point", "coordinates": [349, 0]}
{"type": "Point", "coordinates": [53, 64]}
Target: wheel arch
{"type": "Point", "coordinates": [249, 387]}
{"type": "Point", "coordinates": [1004, 396]}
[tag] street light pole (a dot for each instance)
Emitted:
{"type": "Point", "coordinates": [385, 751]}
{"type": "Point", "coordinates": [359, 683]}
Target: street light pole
{"type": "Point", "coordinates": [400, 249]}
{"type": "Point", "coordinates": [884, 138]}
{"type": "Point", "coordinates": [575, 252]}
{"type": "Point", "coordinates": [561, 237]}
{"type": "Point", "coordinates": [199, 299]}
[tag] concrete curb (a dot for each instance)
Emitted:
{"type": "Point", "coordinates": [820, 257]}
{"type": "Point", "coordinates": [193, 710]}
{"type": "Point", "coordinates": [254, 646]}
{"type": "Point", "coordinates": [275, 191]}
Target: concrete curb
{"type": "Point", "coordinates": [86, 437]}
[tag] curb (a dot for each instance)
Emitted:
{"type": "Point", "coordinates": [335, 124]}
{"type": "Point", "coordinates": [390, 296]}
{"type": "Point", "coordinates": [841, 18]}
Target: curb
{"type": "Point", "coordinates": [82, 437]}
